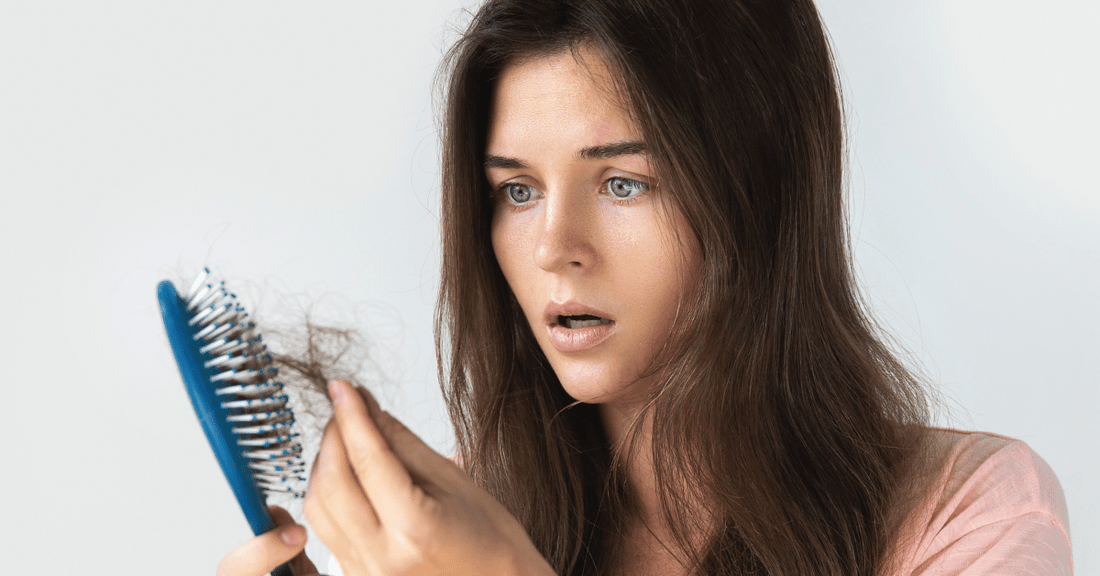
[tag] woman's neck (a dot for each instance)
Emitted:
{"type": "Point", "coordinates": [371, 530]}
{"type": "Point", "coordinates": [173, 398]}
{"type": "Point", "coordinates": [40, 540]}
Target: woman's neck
{"type": "Point", "coordinates": [617, 419]}
{"type": "Point", "coordinates": [648, 545]}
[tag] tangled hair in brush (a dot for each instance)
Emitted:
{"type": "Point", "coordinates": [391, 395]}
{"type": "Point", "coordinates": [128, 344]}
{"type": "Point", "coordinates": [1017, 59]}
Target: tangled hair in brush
{"type": "Point", "coordinates": [309, 355]}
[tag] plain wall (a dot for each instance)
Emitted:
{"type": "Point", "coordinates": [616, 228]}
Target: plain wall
{"type": "Point", "coordinates": [291, 146]}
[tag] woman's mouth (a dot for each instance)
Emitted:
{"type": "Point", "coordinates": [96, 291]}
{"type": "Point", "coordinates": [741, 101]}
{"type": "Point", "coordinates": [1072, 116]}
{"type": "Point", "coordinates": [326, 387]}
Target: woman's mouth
{"type": "Point", "coordinates": [579, 333]}
{"type": "Point", "coordinates": [581, 321]}
{"type": "Point", "coordinates": [574, 327]}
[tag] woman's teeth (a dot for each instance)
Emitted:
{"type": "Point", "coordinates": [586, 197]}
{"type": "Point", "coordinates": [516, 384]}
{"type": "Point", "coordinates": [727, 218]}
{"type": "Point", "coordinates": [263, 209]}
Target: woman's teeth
{"type": "Point", "coordinates": [581, 321]}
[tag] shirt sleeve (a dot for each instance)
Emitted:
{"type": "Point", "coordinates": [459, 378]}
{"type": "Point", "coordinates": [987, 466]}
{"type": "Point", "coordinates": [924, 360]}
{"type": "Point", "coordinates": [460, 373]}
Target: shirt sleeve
{"type": "Point", "coordinates": [1000, 510]}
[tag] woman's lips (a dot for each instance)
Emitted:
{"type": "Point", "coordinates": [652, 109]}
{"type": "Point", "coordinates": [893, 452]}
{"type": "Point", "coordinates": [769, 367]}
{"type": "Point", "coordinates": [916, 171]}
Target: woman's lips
{"type": "Point", "coordinates": [577, 339]}
{"type": "Point", "coordinates": [566, 339]}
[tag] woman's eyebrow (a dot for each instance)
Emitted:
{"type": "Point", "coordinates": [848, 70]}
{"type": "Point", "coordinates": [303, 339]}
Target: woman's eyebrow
{"type": "Point", "coordinates": [591, 153]}
{"type": "Point", "coordinates": [503, 162]}
{"type": "Point", "coordinates": [611, 150]}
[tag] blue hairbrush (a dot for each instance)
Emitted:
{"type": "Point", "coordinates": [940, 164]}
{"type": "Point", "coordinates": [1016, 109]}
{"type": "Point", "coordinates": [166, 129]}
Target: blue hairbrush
{"type": "Point", "coordinates": [243, 411]}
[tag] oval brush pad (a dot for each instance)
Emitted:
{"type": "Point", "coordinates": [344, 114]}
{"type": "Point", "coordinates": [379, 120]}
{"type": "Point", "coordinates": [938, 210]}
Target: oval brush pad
{"type": "Point", "coordinates": [229, 376]}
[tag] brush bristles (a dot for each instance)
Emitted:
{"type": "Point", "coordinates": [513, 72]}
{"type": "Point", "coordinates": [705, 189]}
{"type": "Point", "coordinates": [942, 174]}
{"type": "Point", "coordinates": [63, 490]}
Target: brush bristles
{"type": "Point", "coordinates": [243, 378]}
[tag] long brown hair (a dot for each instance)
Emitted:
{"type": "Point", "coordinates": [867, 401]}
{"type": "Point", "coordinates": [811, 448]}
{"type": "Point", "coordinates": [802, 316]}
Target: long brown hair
{"type": "Point", "coordinates": [776, 403]}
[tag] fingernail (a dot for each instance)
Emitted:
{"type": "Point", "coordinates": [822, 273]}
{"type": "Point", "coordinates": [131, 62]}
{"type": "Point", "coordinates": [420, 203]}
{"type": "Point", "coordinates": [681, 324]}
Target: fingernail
{"type": "Point", "coordinates": [338, 391]}
{"type": "Point", "coordinates": [293, 536]}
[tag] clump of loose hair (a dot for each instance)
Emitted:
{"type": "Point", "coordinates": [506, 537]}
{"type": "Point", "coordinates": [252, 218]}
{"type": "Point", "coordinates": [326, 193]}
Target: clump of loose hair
{"type": "Point", "coordinates": [310, 350]}
{"type": "Point", "coordinates": [309, 356]}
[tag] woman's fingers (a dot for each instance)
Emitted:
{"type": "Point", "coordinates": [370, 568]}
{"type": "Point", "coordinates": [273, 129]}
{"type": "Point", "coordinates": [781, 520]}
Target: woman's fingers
{"type": "Point", "coordinates": [266, 552]}
{"type": "Point", "coordinates": [382, 475]}
{"type": "Point", "coordinates": [303, 566]}
{"type": "Point", "coordinates": [335, 503]}
{"type": "Point", "coordinates": [386, 503]}
{"type": "Point", "coordinates": [427, 467]}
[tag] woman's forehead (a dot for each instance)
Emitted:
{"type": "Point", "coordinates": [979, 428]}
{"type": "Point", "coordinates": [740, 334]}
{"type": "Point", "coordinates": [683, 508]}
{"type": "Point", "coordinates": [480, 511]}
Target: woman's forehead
{"type": "Point", "coordinates": [559, 99]}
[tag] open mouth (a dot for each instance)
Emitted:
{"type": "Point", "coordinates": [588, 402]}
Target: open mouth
{"type": "Point", "coordinates": [581, 321]}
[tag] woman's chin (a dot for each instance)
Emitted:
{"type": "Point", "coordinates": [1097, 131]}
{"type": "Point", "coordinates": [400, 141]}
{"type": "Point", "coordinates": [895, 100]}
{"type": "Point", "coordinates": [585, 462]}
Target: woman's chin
{"type": "Point", "coordinates": [601, 375]}
{"type": "Point", "coordinates": [594, 388]}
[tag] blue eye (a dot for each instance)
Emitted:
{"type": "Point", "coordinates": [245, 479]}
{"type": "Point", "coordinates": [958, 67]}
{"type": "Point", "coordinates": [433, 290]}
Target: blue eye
{"type": "Point", "coordinates": [518, 193]}
{"type": "Point", "coordinates": [625, 187]}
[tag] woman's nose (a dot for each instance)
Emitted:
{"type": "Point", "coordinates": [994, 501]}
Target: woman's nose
{"type": "Point", "coordinates": [566, 234]}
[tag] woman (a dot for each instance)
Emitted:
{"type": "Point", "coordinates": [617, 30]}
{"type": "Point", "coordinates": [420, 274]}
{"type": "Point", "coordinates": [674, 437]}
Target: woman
{"type": "Point", "coordinates": [649, 337]}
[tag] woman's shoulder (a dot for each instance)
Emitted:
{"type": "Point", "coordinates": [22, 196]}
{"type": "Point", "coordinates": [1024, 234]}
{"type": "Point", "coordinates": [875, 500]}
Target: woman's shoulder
{"type": "Point", "coordinates": [1001, 473]}
{"type": "Point", "coordinates": [996, 503]}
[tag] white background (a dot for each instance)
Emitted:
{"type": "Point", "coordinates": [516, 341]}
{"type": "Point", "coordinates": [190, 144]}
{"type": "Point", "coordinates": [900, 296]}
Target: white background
{"type": "Point", "coordinates": [292, 146]}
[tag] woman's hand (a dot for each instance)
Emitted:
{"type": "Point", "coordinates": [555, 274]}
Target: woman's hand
{"type": "Point", "coordinates": [385, 503]}
{"type": "Point", "coordinates": [262, 554]}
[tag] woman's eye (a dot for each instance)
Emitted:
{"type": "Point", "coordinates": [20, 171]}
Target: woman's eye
{"type": "Point", "coordinates": [625, 187]}
{"type": "Point", "coordinates": [519, 193]}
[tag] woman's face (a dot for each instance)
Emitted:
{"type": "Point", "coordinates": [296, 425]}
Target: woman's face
{"type": "Point", "coordinates": [586, 240]}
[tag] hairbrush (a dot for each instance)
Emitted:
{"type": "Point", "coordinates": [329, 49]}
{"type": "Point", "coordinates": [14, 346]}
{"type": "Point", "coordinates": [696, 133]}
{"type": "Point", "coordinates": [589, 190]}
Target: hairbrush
{"type": "Point", "coordinates": [229, 376]}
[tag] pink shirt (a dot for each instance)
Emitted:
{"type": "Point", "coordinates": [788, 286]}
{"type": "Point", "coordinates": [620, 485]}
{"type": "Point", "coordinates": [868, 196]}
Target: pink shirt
{"type": "Point", "coordinates": [998, 509]}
